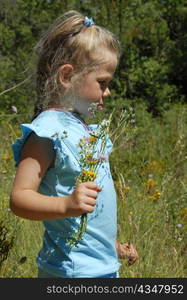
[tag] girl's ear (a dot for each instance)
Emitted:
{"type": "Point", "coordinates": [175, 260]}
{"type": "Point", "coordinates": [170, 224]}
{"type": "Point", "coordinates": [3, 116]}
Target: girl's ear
{"type": "Point", "coordinates": [65, 74]}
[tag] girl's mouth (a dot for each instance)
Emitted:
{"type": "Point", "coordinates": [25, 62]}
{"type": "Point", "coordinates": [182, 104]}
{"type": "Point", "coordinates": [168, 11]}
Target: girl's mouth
{"type": "Point", "coordinates": [100, 106]}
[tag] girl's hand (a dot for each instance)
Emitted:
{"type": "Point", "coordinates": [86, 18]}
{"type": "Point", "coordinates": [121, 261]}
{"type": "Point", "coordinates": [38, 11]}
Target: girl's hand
{"type": "Point", "coordinates": [127, 250]}
{"type": "Point", "coordinates": [83, 199]}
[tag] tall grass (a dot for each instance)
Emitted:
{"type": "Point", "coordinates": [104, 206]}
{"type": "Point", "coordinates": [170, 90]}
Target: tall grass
{"type": "Point", "coordinates": [150, 175]}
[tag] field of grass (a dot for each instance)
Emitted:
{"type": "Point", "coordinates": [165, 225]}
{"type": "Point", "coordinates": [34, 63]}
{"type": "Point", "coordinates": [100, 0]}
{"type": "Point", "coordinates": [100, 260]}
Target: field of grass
{"type": "Point", "coordinates": [150, 173]}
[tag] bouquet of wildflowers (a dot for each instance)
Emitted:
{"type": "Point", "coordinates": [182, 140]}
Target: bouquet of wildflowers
{"type": "Point", "coordinates": [92, 155]}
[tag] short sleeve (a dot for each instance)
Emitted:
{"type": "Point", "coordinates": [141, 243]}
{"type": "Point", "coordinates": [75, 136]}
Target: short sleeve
{"type": "Point", "coordinates": [42, 127]}
{"type": "Point", "coordinates": [26, 130]}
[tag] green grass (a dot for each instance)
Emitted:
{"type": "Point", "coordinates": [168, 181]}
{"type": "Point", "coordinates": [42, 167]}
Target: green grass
{"type": "Point", "coordinates": [150, 173]}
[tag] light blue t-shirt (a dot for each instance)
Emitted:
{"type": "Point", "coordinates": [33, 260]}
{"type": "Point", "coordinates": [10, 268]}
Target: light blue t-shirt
{"type": "Point", "coordinates": [96, 254]}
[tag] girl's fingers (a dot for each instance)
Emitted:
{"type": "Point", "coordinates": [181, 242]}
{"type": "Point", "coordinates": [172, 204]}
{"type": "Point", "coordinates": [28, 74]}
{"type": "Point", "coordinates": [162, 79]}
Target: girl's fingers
{"type": "Point", "coordinates": [89, 208]}
{"type": "Point", "coordinates": [92, 185]}
{"type": "Point", "coordinates": [133, 255]}
{"type": "Point", "coordinates": [127, 250]}
{"type": "Point", "coordinates": [89, 205]}
{"type": "Point", "coordinates": [91, 193]}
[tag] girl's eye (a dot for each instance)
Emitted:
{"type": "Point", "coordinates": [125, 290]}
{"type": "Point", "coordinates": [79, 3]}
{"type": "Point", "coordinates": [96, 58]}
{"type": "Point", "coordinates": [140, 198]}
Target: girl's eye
{"type": "Point", "coordinates": [103, 84]}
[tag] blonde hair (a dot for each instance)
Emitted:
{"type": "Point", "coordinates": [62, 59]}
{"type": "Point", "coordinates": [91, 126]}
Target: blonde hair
{"type": "Point", "coordinates": [68, 41]}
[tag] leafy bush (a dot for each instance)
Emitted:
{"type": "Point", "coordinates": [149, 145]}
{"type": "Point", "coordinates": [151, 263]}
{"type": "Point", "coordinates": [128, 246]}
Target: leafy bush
{"type": "Point", "coordinates": [152, 33]}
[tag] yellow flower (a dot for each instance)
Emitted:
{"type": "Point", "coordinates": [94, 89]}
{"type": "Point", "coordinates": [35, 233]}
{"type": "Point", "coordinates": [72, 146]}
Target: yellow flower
{"type": "Point", "coordinates": [90, 160]}
{"type": "Point", "coordinates": [183, 213]}
{"type": "Point", "coordinates": [18, 132]}
{"type": "Point", "coordinates": [89, 156]}
{"type": "Point", "coordinates": [150, 184]}
{"type": "Point", "coordinates": [155, 196]}
{"type": "Point", "coordinates": [127, 188]}
{"type": "Point", "coordinates": [7, 156]}
{"type": "Point", "coordinates": [88, 175]}
{"type": "Point", "coordinates": [93, 139]}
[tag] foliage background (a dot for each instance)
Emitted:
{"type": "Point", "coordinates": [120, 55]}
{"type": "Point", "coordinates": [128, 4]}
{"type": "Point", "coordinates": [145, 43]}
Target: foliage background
{"type": "Point", "coordinates": [149, 168]}
{"type": "Point", "coordinates": [153, 67]}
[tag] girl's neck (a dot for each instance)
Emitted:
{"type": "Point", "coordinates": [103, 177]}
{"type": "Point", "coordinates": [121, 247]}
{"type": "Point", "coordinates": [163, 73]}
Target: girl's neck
{"type": "Point", "coordinates": [62, 109]}
{"type": "Point", "coordinates": [56, 108]}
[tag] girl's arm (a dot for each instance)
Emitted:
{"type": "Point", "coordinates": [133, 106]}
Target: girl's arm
{"type": "Point", "coordinates": [37, 156]}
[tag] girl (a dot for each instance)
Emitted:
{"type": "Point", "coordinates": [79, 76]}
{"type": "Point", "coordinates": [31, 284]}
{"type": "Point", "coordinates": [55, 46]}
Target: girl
{"type": "Point", "coordinates": [76, 61]}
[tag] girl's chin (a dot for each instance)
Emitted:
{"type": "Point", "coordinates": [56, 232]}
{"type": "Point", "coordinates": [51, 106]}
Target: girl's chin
{"type": "Point", "coordinates": [100, 106]}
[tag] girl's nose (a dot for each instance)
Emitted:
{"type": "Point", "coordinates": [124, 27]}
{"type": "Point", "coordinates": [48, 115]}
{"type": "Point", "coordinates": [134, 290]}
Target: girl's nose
{"type": "Point", "coordinates": [106, 92]}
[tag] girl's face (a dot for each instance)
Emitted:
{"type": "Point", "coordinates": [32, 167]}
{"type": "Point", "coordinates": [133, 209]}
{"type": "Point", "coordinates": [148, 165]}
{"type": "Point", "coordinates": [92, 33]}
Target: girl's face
{"type": "Point", "coordinates": [93, 87]}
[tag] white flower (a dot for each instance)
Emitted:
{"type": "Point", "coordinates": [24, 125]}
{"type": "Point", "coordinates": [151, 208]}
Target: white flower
{"type": "Point", "coordinates": [179, 225]}
{"type": "Point", "coordinates": [93, 108]}
{"type": "Point", "coordinates": [14, 109]}
{"type": "Point", "coordinates": [105, 123]}
{"type": "Point", "coordinates": [150, 175]}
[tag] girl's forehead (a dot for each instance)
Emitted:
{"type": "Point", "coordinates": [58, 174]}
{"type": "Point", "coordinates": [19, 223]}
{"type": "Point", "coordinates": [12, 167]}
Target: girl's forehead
{"type": "Point", "coordinates": [108, 67]}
